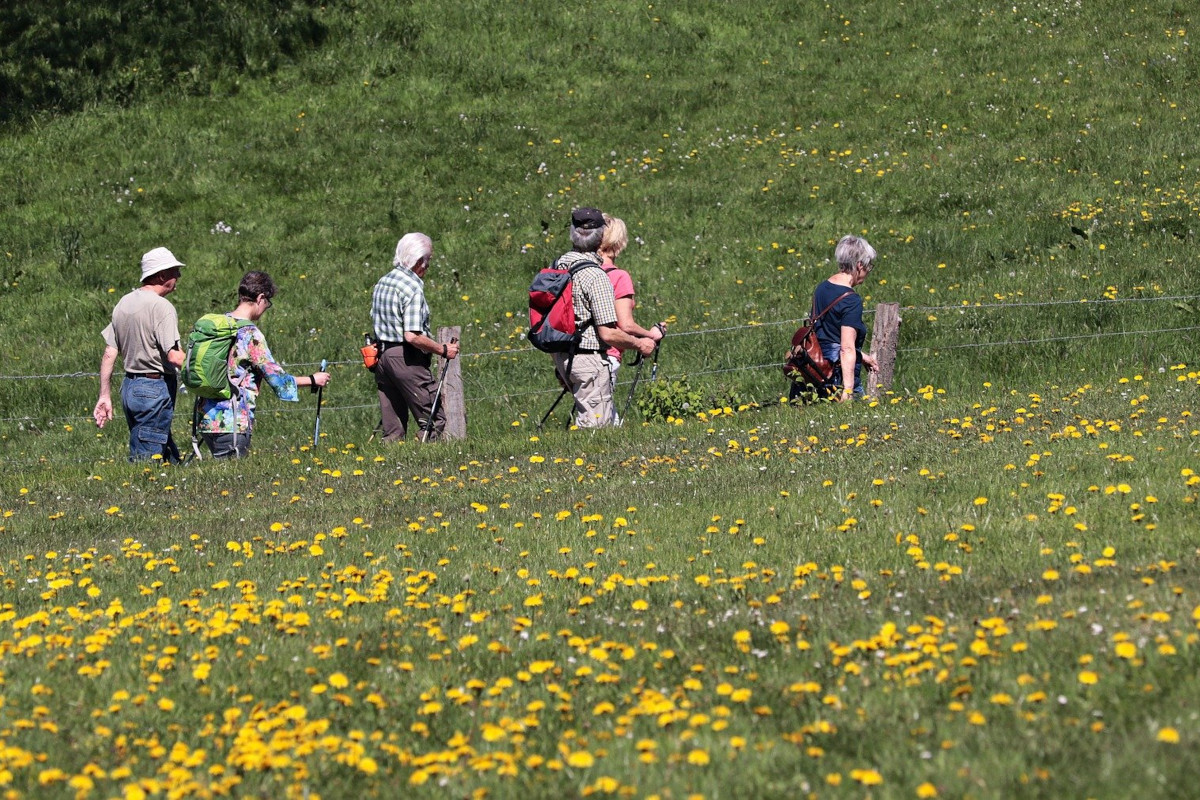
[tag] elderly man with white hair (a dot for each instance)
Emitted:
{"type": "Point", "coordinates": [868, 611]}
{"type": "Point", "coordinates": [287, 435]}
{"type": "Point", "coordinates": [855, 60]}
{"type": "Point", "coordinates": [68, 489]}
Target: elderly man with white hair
{"type": "Point", "coordinates": [400, 317]}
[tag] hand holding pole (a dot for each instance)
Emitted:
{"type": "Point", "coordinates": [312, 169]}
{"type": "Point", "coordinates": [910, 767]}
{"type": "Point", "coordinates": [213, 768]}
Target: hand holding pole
{"type": "Point", "coordinates": [427, 429]}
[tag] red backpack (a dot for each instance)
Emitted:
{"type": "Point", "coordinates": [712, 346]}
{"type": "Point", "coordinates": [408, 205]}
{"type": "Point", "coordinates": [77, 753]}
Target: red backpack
{"type": "Point", "coordinates": [552, 327]}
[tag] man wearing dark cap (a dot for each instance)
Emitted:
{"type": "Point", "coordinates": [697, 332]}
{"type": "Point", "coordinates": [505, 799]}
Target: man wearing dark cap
{"type": "Point", "coordinates": [145, 328]}
{"type": "Point", "coordinates": [586, 371]}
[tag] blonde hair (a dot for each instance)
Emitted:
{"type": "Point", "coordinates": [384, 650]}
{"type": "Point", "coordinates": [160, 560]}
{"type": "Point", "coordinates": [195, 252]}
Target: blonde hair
{"type": "Point", "coordinates": [616, 237]}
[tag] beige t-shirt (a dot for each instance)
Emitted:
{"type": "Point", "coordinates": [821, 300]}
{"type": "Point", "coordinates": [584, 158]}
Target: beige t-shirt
{"type": "Point", "coordinates": [144, 328]}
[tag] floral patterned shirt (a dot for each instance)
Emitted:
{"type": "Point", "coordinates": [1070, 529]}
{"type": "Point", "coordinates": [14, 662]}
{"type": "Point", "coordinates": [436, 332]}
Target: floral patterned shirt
{"type": "Point", "coordinates": [250, 363]}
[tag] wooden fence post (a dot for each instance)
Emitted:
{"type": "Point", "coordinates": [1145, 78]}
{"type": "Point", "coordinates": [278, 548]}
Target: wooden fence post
{"type": "Point", "coordinates": [883, 347]}
{"type": "Point", "coordinates": [451, 400]}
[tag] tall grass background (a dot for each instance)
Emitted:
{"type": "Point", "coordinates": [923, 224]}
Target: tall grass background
{"type": "Point", "coordinates": [1028, 174]}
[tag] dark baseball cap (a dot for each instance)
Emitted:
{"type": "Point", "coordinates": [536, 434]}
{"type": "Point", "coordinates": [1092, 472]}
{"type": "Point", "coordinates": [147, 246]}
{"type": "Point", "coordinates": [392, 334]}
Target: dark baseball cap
{"type": "Point", "coordinates": [587, 218]}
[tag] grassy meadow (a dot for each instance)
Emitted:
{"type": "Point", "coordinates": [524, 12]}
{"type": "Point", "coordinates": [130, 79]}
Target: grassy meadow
{"type": "Point", "coordinates": [982, 585]}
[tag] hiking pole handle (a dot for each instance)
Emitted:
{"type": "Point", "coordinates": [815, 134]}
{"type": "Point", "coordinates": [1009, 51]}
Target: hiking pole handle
{"type": "Point", "coordinates": [657, 348]}
{"type": "Point", "coordinates": [427, 428]}
{"type": "Point", "coordinates": [320, 391]}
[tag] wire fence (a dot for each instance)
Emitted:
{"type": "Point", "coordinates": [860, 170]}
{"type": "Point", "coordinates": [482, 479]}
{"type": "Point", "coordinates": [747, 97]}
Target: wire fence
{"type": "Point", "coordinates": [507, 396]}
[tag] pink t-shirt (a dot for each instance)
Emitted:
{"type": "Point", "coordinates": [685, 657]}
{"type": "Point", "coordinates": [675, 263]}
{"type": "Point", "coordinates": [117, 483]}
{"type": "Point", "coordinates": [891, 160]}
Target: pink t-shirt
{"type": "Point", "coordinates": [622, 287]}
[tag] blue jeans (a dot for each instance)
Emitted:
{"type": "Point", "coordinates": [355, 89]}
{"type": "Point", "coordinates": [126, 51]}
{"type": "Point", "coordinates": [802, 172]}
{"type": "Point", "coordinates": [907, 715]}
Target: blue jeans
{"type": "Point", "coordinates": [833, 352]}
{"type": "Point", "coordinates": [149, 405]}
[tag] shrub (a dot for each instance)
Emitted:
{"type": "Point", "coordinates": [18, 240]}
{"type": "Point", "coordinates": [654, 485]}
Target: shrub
{"type": "Point", "coordinates": [64, 56]}
{"type": "Point", "coordinates": [664, 399]}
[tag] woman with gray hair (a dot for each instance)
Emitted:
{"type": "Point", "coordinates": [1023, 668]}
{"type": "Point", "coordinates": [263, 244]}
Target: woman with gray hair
{"type": "Point", "coordinates": [840, 330]}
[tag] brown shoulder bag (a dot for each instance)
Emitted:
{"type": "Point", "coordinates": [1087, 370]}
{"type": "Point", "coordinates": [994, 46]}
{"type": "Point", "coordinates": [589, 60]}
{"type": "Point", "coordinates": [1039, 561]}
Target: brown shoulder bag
{"type": "Point", "coordinates": [805, 363]}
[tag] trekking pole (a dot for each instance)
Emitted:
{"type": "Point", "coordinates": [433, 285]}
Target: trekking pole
{"type": "Point", "coordinates": [566, 387]}
{"type": "Point", "coordinates": [427, 428]}
{"type": "Point", "coordinates": [637, 376]}
{"type": "Point", "coordinates": [320, 391]}
{"type": "Point", "coordinates": [195, 430]}
{"type": "Point", "coordinates": [654, 361]}
{"type": "Point", "coordinates": [557, 400]}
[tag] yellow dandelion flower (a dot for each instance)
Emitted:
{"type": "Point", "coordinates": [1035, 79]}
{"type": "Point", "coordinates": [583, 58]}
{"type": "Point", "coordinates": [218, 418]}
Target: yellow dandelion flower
{"type": "Point", "coordinates": [581, 759]}
{"type": "Point", "coordinates": [926, 790]}
{"type": "Point", "coordinates": [1168, 735]}
{"type": "Point", "coordinates": [698, 757]}
{"type": "Point", "coordinates": [1088, 678]}
{"type": "Point", "coordinates": [867, 777]}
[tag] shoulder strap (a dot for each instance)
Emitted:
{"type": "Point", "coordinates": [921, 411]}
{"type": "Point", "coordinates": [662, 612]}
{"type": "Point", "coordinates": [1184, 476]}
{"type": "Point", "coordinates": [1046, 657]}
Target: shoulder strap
{"type": "Point", "coordinates": [580, 266]}
{"type": "Point", "coordinates": [577, 267]}
{"type": "Point", "coordinates": [813, 319]}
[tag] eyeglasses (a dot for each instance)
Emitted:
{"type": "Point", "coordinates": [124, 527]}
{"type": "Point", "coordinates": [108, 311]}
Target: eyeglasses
{"type": "Point", "coordinates": [264, 297]}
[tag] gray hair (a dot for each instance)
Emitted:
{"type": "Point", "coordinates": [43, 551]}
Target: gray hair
{"type": "Point", "coordinates": [411, 248]}
{"type": "Point", "coordinates": [586, 240]}
{"type": "Point", "coordinates": [852, 251]}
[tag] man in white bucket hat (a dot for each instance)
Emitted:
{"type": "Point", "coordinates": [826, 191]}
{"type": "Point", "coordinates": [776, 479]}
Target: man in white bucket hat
{"type": "Point", "coordinates": [145, 329]}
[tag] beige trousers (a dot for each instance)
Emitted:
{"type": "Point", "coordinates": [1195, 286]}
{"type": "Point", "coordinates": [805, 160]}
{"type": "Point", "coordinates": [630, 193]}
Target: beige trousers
{"type": "Point", "coordinates": [591, 386]}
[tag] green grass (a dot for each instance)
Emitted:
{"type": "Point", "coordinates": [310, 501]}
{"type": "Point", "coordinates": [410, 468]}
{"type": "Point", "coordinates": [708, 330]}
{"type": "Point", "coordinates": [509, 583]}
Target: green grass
{"type": "Point", "coordinates": [939, 591]}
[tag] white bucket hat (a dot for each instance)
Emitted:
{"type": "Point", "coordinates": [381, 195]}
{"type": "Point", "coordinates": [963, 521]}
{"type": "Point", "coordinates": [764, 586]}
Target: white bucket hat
{"type": "Point", "coordinates": [157, 260]}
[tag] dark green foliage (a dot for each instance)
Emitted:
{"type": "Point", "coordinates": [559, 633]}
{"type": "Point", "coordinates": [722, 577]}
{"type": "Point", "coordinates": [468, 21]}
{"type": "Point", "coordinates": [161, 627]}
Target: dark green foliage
{"type": "Point", "coordinates": [677, 398]}
{"type": "Point", "coordinates": [67, 55]}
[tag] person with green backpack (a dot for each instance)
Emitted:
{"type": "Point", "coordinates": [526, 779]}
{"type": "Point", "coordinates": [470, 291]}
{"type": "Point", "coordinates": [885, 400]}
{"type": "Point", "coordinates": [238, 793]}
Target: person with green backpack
{"type": "Point", "coordinates": [228, 360]}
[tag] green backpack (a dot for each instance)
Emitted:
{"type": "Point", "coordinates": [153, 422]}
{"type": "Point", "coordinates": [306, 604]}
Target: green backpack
{"type": "Point", "coordinates": [206, 367]}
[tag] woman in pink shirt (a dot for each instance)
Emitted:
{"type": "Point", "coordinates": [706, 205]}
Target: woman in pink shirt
{"type": "Point", "coordinates": [616, 237]}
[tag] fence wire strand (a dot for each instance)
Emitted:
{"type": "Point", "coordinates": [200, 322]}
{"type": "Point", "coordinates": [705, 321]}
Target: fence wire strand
{"type": "Point", "coordinates": [508, 397]}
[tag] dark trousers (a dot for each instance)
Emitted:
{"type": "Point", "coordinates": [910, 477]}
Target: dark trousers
{"type": "Point", "coordinates": [227, 445]}
{"type": "Point", "coordinates": [406, 386]}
